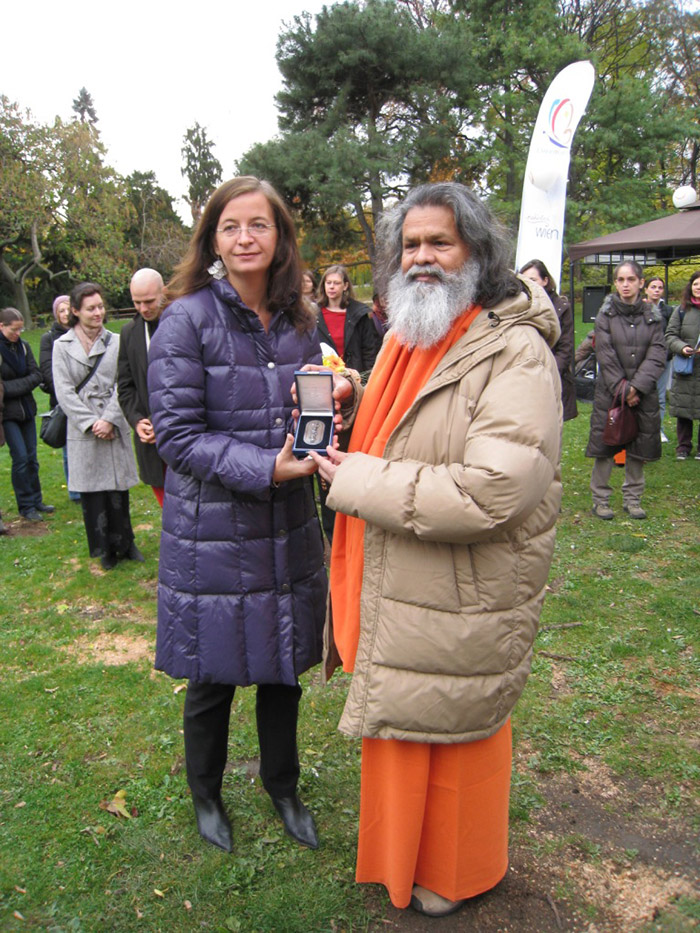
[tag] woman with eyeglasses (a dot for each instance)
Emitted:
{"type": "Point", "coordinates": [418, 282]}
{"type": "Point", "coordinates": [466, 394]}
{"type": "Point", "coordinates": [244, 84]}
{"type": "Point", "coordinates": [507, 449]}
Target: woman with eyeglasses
{"type": "Point", "coordinates": [242, 586]}
{"type": "Point", "coordinates": [21, 375]}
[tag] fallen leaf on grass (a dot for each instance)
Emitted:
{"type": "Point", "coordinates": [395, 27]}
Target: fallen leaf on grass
{"type": "Point", "coordinates": [117, 805]}
{"type": "Point", "coordinates": [180, 688]}
{"type": "Point", "coordinates": [188, 905]}
{"type": "Point", "coordinates": [20, 890]}
{"type": "Point", "coordinates": [17, 915]}
{"type": "Point", "coordinates": [158, 893]}
{"type": "Point", "coordinates": [22, 803]}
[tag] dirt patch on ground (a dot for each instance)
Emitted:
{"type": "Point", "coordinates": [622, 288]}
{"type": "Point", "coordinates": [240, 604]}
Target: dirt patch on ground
{"type": "Point", "coordinates": [96, 613]}
{"type": "Point", "coordinates": [21, 528]}
{"type": "Point", "coordinates": [111, 650]}
{"type": "Point", "coordinates": [598, 857]}
{"type": "Point", "coordinates": [559, 679]}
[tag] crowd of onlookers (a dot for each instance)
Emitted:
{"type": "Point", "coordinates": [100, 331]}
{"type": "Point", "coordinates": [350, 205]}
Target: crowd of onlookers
{"type": "Point", "coordinates": [644, 349]}
{"type": "Point", "coordinates": [638, 336]}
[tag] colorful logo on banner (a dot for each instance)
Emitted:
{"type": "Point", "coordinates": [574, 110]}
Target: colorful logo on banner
{"type": "Point", "coordinates": [543, 206]}
{"type": "Point", "coordinates": [561, 118]}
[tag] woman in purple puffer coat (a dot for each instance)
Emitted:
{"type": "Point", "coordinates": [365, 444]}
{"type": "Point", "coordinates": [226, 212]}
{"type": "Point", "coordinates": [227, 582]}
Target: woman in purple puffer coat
{"type": "Point", "coordinates": [242, 586]}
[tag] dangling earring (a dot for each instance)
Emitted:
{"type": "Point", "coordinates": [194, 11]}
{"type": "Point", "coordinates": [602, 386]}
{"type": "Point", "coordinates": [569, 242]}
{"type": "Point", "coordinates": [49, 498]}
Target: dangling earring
{"type": "Point", "coordinates": [217, 270]}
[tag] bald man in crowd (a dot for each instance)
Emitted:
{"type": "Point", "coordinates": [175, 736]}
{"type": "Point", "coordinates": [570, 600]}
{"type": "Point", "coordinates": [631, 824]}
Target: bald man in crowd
{"type": "Point", "coordinates": [147, 295]}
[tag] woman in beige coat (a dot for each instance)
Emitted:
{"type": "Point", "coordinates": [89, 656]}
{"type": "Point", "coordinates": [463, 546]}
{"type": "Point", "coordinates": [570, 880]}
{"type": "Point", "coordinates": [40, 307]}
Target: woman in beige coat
{"type": "Point", "coordinates": [100, 456]}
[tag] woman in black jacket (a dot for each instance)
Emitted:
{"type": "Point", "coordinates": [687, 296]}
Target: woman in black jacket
{"type": "Point", "coordinates": [345, 324]}
{"type": "Point", "coordinates": [563, 350]}
{"type": "Point", "coordinates": [60, 326]}
{"type": "Point", "coordinates": [61, 314]}
{"type": "Point", "coordinates": [20, 375]}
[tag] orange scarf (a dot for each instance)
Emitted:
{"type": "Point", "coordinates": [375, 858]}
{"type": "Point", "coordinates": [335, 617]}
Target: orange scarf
{"type": "Point", "coordinates": [397, 378]}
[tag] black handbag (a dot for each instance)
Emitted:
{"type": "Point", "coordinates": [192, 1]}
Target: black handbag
{"type": "Point", "coordinates": [621, 425]}
{"type": "Point", "coordinates": [54, 424]}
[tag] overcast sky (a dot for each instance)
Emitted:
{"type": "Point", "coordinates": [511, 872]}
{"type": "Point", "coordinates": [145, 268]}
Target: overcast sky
{"type": "Point", "coordinates": [153, 69]}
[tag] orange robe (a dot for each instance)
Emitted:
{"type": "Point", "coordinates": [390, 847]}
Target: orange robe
{"type": "Point", "coordinates": [434, 815]}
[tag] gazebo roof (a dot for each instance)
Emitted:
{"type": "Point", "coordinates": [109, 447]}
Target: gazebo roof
{"type": "Point", "coordinates": [658, 241]}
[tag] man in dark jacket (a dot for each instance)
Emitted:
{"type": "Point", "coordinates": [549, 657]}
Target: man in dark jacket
{"type": "Point", "coordinates": [147, 295]}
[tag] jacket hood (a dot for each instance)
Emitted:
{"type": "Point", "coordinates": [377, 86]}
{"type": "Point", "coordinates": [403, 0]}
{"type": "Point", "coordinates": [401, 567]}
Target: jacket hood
{"type": "Point", "coordinates": [531, 307]}
{"type": "Point", "coordinates": [650, 311]}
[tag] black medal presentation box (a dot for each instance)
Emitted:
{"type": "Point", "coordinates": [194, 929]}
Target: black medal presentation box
{"type": "Point", "coordinates": [315, 426]}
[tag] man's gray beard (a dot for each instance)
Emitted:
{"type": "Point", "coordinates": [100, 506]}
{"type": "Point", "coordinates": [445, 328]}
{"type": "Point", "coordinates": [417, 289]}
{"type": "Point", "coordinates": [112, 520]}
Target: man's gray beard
{"type": "Point", "coordinates": [421, 313]}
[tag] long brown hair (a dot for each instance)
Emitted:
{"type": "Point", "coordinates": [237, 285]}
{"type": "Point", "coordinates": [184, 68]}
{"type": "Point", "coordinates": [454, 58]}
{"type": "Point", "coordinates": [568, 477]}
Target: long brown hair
{"type": "Point", "coordinates": [688, 290]}
{"type": "Point", "coordinates": [284, 276]}
{"type": "Point", "coordinates": [348, 294]}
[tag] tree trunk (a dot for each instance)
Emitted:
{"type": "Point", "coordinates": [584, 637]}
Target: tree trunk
{"type": "Point", "coordinates": [368, 233]}
{"type": "Point", "coordinates": [16, 283]}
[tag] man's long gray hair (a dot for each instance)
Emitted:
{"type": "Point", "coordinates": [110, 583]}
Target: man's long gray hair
{"type": "Point", "coordinates": [477, 227]}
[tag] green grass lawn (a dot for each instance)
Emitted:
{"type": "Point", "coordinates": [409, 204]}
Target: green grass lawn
{"type": "Point", "coordinates": [83, 716]}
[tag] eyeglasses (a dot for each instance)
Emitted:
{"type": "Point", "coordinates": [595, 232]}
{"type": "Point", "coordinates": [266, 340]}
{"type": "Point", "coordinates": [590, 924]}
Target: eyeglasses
{"type": "Point", "coordinates": [13, 329]}
{"type": "Point", "coordinates": [256, 230]}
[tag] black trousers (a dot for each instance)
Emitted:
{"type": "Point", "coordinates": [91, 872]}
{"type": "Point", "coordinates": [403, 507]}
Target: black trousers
{"type": "Point", "coordinates": [206, 723]}
{"type": "Point", "coordinates": [107, 522]}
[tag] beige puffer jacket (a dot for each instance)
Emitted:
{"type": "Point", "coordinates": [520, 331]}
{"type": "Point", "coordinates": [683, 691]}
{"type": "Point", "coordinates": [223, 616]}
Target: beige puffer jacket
{"type": "Point", "coordinates": [460, 533]}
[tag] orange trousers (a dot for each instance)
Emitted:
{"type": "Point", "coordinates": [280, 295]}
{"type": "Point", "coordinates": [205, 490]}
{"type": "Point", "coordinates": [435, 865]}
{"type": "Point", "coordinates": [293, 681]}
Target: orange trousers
{"type": "Point", "coordinates": [434, 815]}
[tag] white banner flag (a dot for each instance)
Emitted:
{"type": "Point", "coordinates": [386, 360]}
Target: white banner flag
{"type": "Point", "coordinates": [541, 232]}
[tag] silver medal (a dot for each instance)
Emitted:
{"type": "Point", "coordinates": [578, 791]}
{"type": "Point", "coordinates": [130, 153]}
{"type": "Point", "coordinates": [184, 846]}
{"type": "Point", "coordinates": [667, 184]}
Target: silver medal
{"type": "Point", "coordinates": [313, 432]}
